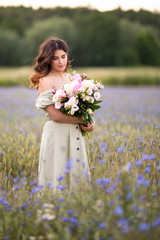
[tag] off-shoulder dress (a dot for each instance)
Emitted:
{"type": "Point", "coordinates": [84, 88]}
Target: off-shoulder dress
{"type": "Point", "coordinates": [63, 157]}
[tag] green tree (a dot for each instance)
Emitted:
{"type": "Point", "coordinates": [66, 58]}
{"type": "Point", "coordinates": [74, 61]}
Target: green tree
{"type": "Point", "coordinates": [99, 41]}
{"type": "Point", "coordinates": [148, 48]}
{"type": "Point", "coordinates": [10, 43]}
{"type": "Point", "coordinates": [58, 27]}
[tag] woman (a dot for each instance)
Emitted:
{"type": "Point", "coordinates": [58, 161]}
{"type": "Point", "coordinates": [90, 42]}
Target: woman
{"type": "Point", "coordinates": [63, 154]}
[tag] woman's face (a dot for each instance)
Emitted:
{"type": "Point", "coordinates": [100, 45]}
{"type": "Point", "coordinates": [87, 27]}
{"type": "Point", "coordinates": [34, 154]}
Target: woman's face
{"type": "Point", "coordinates": [59, 60]}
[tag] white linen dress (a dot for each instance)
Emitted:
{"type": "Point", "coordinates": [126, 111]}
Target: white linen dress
{"type": "Point", "coordinates": [63, 157]}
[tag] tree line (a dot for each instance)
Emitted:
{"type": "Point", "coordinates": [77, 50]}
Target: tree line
{"type": "Point", "coordinates": [110, 38]}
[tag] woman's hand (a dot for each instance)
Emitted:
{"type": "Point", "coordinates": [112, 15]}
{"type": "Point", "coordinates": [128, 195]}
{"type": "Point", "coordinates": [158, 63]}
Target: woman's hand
{"type": "Point", "coordinates": [88, 128]}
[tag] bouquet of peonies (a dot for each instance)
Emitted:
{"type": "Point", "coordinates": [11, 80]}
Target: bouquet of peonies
{"type": "Point", "coordinates": [80, 97]}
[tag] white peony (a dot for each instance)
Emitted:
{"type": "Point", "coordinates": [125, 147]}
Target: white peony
{"type": "Point", "coordinates": [89, 91]}
{"type": "Point", "coordinates": [97, 95]}
{"type": "Point", "coordinates": [69, 88]}
{"type": "Point", "coordinates": [75, 108]}
{"type": "Point", "coordinates": [90, 99]}
{"type": "Point", "coordinates": [72, 101]}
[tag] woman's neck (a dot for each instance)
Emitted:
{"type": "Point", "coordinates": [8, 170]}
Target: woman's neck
{"type": "Point", "coordinates": [57, 74]}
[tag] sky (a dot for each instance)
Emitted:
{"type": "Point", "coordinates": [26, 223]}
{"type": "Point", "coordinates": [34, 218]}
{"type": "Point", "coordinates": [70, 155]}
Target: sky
{"type": "Point", "coordinates": [102, 5]}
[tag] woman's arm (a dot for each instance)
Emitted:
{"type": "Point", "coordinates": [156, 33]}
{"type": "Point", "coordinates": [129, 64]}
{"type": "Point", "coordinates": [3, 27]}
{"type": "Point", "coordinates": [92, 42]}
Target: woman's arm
{"type": "Point", "coordinates": [57, 116]}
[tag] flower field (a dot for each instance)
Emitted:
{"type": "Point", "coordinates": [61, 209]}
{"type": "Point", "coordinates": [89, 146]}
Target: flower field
{"type": "Point", "coordinates": [123, 201]}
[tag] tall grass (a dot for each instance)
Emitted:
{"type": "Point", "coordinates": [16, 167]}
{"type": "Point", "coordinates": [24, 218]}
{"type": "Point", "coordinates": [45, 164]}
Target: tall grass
{"type": "Point", "coordinates": [108, 75]}
{"type": "Point", "coordinates": [123, 198]}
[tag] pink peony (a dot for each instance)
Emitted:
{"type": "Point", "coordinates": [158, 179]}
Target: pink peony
{"type": "Point", "coordinates": [76, 88]}
{"type": "Point", "coordinates": [63, 95]}
{"type": "Point", "coordinates": [84, 75]}
{"type": "Point", "coordinates": [58, 105]}
{"type": "Point", "coordinates": [76, 77]}
{"type": "Point", "coordinates": [54, 91]}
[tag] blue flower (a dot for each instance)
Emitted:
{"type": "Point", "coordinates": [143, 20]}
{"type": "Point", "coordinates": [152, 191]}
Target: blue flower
{"type": "Point", "coordinates": [146, 183]}
{"type": "Point", "coordinates": [138, 163]}
{"type": "Point", "coordinates": [140, 179]}
{"type": "Point", "coordinates": [102, 225]}
{"type": "Point", "coordinates": [123, 223]}
{"type": "Point", "coordinates": [118, 210]}
{"type": "Point", "coordinates": [5, 237]}
{"type": "Point", "coordinates": [152, 156]}
{"type": "Point", "coordinates": [154, 194]}
{"type": "Point", "coordinates": [57, 207]}
{"type": "Point", "coordinates": [102, 161]}
{"type": "Point", "coordinates": [73, 220]}
{"type": "Point", "coordinates": [60, 178]}
{"type": "Point", "coordinates": [103, 148]}
{"type": "Point", "coordinates": [147, 169]}
{"type": "Point", "coordinates": [158, 168]}
{"type": "Point", "coordinates": [40, 187]}
{"type": "Point", "coordinates": [103, 181]}
{"type": "Point", "coordinates": [65, 219]}
{"type": "Point", "coordinates": [120, 149]}
{"type": "Point", "coordinates": [69, 163]}
{"type": "Point", "coordinates": [156, 222]}
{"type": "Point", "coordinates": [5, 202]}
{"type": "Point", "coordinates": [129, 196]}
{"type": "Point", "coordinates": [61, 187]}
{"type": "Point", "coordinates": [48, 183]}
{"type": "Point", "coordinates": [66, 170]}
{"type": "Point", "coordinates": [61, 199]}
{"type": "Point", "coordinates": [143, 226]}
{"type": "Point", "coordinates": [34, 181]}
{"type": "Point", "coordinates": [34, 190]}
{"type": "Point", "coordinates": [16, 187]}
{"type": "Point", "coordinates": [69, 211]}
{"type": "Point", "coordinates": [145, 157]}
{"type": "Point", "coordinates": [15, 179]}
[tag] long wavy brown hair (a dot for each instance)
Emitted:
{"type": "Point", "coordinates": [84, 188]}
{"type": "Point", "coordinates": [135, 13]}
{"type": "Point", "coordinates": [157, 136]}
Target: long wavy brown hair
{"type": "Point", "coordinates": [43, 60]}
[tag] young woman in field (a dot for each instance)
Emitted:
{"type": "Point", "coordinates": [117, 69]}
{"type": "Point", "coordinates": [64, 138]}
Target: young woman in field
{"type": "Point", "coordinates": [62, 151]}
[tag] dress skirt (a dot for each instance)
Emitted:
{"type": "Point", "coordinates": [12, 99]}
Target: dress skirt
{"type": "Point", "coordinates": [63, 157]}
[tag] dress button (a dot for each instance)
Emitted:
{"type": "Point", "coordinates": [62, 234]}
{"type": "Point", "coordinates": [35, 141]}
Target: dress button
{"type": "Point", "coordinates": [77, 138]}
{"type": "Point", "coordinates": [77, 148]}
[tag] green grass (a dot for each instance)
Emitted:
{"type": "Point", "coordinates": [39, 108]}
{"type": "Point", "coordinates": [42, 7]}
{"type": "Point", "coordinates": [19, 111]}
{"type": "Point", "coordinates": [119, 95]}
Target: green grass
{"type": "Point", "coordinates": [107, 75]}
{"type": "Point", "coordinates": [126, 206]}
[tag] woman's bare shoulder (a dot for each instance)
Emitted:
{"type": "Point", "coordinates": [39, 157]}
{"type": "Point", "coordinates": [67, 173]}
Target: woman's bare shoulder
{"type": "Point", "coordinates": [45, 83]}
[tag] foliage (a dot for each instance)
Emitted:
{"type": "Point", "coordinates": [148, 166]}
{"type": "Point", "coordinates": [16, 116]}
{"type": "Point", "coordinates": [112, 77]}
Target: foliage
{"type": "Point", "coordinates": [110, 38]}
{"type": "Point", "coordinates": [58, 27]}
{"type": "Point", "coordinates": [148, 48]}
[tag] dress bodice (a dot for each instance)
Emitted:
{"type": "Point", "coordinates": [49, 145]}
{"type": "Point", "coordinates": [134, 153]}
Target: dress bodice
{"type": "Point", "coordinates": [44, 99]}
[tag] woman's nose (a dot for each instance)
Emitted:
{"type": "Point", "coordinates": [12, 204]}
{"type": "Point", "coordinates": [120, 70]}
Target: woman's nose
{"type": "Point", "coordinates": [60, 60]}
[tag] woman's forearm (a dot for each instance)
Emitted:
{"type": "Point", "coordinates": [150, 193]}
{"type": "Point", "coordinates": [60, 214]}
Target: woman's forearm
{"type": "Point", "coordinates": [57, 116]}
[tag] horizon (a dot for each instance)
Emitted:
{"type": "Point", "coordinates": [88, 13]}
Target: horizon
{"type": "Point", "coordinates": [102, 6]}
{"type": "Point", "coordinates": [91, 8]}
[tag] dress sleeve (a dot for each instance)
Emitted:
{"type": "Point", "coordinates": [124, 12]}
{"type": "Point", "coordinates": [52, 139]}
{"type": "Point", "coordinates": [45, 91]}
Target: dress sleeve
{"type": "Point", "coordinates": [44, 100]}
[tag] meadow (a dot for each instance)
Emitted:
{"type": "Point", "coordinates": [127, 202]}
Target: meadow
{"type": "Point", "coordinates": [19, 76]}
{"type": "Point", "coordinates": [123, 200]}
